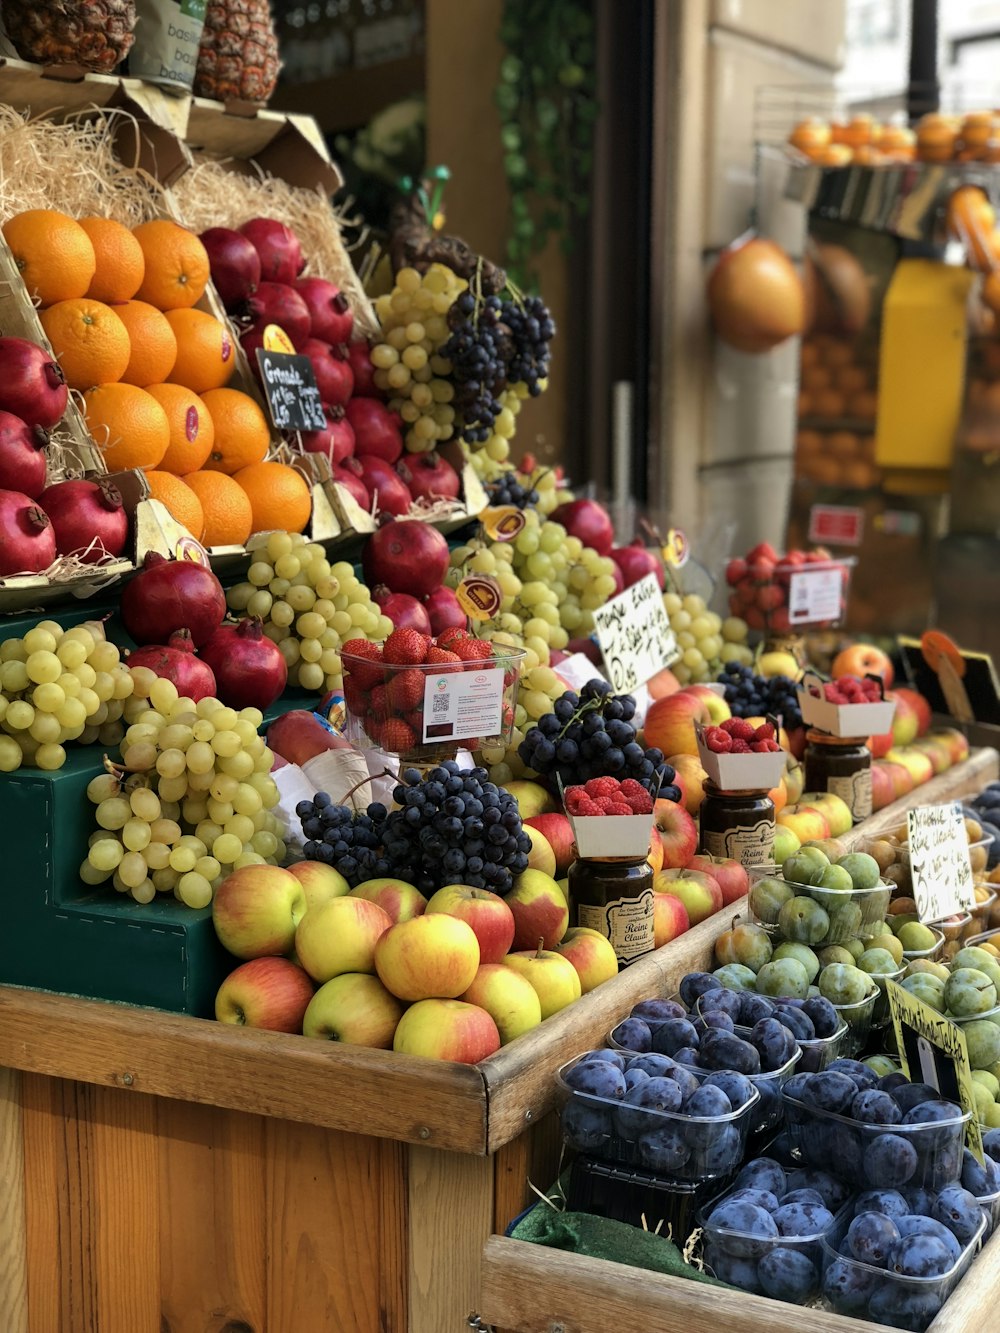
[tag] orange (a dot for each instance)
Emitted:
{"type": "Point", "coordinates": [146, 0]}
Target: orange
{"type": "Point", "coordinates": [226, 508]}
{"type": "Point", "coordinates": [936, 137]}
{"type": "Point", "coordinates": [90, 342]}
{"type": "Point", "coordinates": [810, 135]}
{"type": "Point", "coordinates": [279, 496]}
{"type": "Point", "coordinates": [206, 357]}
{"type": "Point", "coordinates": [862, 405]}
{"type": "Point", "coordinates": [120, 263]}
{"type": "Point", "coordinates": [191, 430]}
{"type": "Point", "coordinates": [816, 377]}
{"type": "Point", "coordinates": [154, 347]}
{"type": "Point", "coordinates": [53, 253]}
{"type": "Point", "coordinates": [179, 499]}
{"type": "Point", "coordinates": [852, 379]}
{"type": "Point", "coordinates": [128, 424]}
{"type": "Point", "coordinates": [177, 267]}
{"type": "Point", "coordinates": [834, 155]}
{"type": "Point", "coordinates": [241, 433]}
{"type": "Point", "coordinates": [828, 403]}
{"type": "Point", "coordinates": [858, 132]}
{"type": "Point", "coordinates": [971, 218]}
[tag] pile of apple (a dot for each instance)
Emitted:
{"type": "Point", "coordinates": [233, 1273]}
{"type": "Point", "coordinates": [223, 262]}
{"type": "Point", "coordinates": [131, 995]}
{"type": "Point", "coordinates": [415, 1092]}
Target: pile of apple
{"type": "Point", "coordinates": [760, 583]}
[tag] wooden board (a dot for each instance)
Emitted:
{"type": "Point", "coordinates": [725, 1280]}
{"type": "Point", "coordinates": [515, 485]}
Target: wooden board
{"type": "Point", "coordinates": [13, 1248]}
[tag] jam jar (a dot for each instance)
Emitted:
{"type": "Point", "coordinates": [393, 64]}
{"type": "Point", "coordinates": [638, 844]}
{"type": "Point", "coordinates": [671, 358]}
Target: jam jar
{"type": "Point", "coordinates": [614, 896]}
{"type": "Point", "coordinates": [841, 765]}
{"type": "Point", "coordinates": [738, 825]}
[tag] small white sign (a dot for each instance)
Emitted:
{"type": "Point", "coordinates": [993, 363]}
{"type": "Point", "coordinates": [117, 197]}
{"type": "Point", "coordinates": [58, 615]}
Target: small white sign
{"type": "Point", "coordinates": [461, 705]}
{"type": "Point", "coordinates": [814, 595]}
{"type": "Point", "coordinates": [940, 868]}
{"type": "Point", "coordinates": [577, 670]}
{"type": "Point", "coordinates": [635, 635]}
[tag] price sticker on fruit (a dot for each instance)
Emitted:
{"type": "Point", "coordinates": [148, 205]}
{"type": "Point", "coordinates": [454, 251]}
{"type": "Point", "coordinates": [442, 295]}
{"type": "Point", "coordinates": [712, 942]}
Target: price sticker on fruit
{"type": "Point", "coordinates": [940, 868]}
{"type": "Point", "coordinates": [635, 635]}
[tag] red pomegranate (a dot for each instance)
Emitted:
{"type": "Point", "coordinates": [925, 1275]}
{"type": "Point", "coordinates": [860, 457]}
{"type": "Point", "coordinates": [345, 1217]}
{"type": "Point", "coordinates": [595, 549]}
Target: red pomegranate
{"type": "Point", "coordinates": [22, 456]}
{"type": "Point", "coordinates": [384, 484]}
{"type": "Point", "coordinates": [27, 539]}
{"type": "Point", "coordinates": [250, 671]}
{"type": "Point", "coordinates": [88, 518]}
{"type": "Point", "coordinates": [278, 248]}
{"type": "Point", "coordinates": [278, 303]}
{"type": "Point", "coordinates": [588, 521]}
{"type": "Point", "coordinates": [330, 310]}
{"type": "Point", "coordinates": [376, 429]}
{"type": "Point", "coordinates": [359, 355]}
{"type": "Point", "coordinates": [406, 556]}
{"type": "Point", "coordinates": [636, 561]}
{"type": "Point", "coordinates": [430, 477]}
{"type": "Point", "coordinates": [32, 385]}
{"type": "Point", "coordinates": [445, 612]}
{"type": "Point", "coordinates": [176, 662]}
{"type": "Point", "coordinates": [349, 475]}
{"type": "Point", "coordinates": [336, 439]}
{"type": "Point", "coordinates": [332, 368]}
{"type": "Point", "coordinates": [235, 264]}
{"type": "Point", "coordinates": [404, 611]}
{"type": "Point", "coordinates": [168, 595]}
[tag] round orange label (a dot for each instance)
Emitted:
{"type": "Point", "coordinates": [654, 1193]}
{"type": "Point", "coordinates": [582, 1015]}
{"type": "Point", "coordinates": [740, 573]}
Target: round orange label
{"type": "Point", "coordinates": [275, 339]}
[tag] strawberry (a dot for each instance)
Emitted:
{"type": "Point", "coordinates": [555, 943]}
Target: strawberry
{"type": "Point", "coordinates": [355, 696]}
{"type": "Point", "coordinates": [394, 734]}
{"type": "Point", "coordinates": [405, 690]}
{"type": "Point", "coordinates": [364, 675]}
{"type": "Point", "coordinates": [602, 787]}
{"type": "Point", "coordinates": [416, 721]}
{"type": "Point", "coordinates": [444, 660]}
{"type": "Point", "coordinates": [405, 647]}
{"type": "Point", "coordinates": [449, 637]}
{"type": "Point", "coordinates": [378, 701]}
{"type": "Point", "coordinates": [474, 652]}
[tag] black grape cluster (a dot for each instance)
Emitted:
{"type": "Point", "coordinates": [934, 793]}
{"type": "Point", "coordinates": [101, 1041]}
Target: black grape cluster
{"type": "Point", "coordinates": [478, 364]}
{"type": "Point", "coordinates": [507, 490]}
{"type": "Point", "coordinates": [450, 827]}
{"type": "Point", "coordinates": [755, 696]}
{"type": "Point", "coordinates": [531, 329]}
{"type": "Point", "coordinates": [590, 735]}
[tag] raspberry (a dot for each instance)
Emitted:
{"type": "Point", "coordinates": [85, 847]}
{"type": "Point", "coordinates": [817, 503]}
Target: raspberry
{"type": "Point", "coordinates": [444, 660]}
{"type": "Point", "coordinates": [603, 787]}
{"type": "Point", "coordinates": [405, 690]}
{"type": "Point", "coordinates": [773, 746]}
{"type": "Point", "coordinates": [394, 734]}
{"type": "Point", "coordinates": [719, 741]}
{"type": "Point", "coordinates": [474, 652]}
{"type": "Point", "coordinates": [619, 808]}
{"type": "Point", "coordinates": [630, 788]}
{"type": "Point", "coordinates": [405, 647]}
{"type": "Point", "coordinates": [364, 675]}
{"type": "Point", "coordinates": [837, 697]}
{"type": "Point", "coordinates": [589, 808]}
{"type": "Point", "coordinates": [741, 746]}
{"type": "Point", "coordinates": [765, 732]}
{"type": "Point", "coordinates": [738, 729]}
{"type": "Point", "coordinates": [604, 803]}
{"type": "Point", "coordinates": [640, 803]}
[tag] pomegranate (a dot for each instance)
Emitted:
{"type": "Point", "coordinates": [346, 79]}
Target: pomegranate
{"type": "Point", "coordinates": [619, 579]}
{"type": "Point", "coordinates": [277, 303]}
{"type": "Point", "coordinates": [385, 485]}
{"type": "Point", "coordinates": [588, 521]}
{"type": "Point", "coordinates": [332, 369]}
{"type": "Point", "coordinates": [635, 562]}
{"type": "Point", "coordinates": [330, 310]}
{"type": "Point", "coordinates": [176, 661]}
{"type": "Point", "coordinates": [278, 248]}
{"type": "Point", "coordinates": [407, 557]}
{"type": "Point", "coordinates": [252, 340]}
{"type": "Point", "coordinates": [32, 385]}
{"type": "Point", "coordinates": [376, 429]}
{"type": "Point", "coordinates": [87, 517]}
{"type": "Point", "coordinates": [430, 477]}
{"type": "Point", "coordinates": [235, 264]}
{"type": "Point", "coordinates": [755, 296]}
{"type": "Point", "coordinates": [404, 611]}
{"type": "Point", "coordinates": [250, 671]}
{"type": "Point", "coordinates": [359, 355]}
{"type": "Point", "coordinates": [27, 539]}
{"type": "Point", "coordinates": [168, 595]}
{"type": "Point", "coordinates": [22, 456]}
{"type": "Point", "coordinates": [445, 612]}
{"type": "Point", "coordinates": [348, 474]}
{"type": "Point", "coordinates": [336, 439]}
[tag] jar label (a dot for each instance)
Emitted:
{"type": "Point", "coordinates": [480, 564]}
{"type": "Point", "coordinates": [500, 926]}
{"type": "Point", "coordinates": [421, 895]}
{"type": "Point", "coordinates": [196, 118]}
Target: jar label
{"type": "Point", "coordinates": [752, 845]}
{"type": "Point", "coordinates": [626, 922]}
{"type": "Point", "coordinates": [855, 792]}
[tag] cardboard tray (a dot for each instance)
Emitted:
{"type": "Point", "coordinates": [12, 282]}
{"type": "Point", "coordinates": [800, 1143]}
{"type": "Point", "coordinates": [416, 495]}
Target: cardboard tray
{"type": "Point", "coordinates": [741, 772]}
{"type": "Point", "coordinates": [872, 719]}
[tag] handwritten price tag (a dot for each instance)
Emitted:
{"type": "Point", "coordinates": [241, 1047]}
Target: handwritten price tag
{"type": "Point", "coordinates": [291, 391]}
{"type": "Point", "coordinates": [635, 635]}
{"type": "Point", "coordinates": [939, 861]}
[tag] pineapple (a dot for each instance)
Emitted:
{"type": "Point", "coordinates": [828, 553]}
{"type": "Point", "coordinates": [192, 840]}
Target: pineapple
{"type": "Point", "coordinates": [238, 59]}
{"type": "Point", "coordinates": [97, 34]}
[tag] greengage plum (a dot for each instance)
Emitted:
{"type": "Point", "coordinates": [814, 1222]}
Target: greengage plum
{"type": "Point", "coordinates": [787, 1275]}
{"type": "Point", "coordinates": [805, 866]}
{"type": "Point", "coordinates": [767, 897]}
{"type": "Point", "coordinates": [750, 945]}
{"type": "Point", "coordinates": [734, 976]}
{"type": "Point", "coordinates": [763, 1173]}
{"type": "Point", "coordinates": [872, 1237]}
{"type": "Point", "coordinates": [720, 1050]}
{"type": "Point", "coordinates": [803, 921]}
{"type": "Point", "coordinates": [880, 1065]}
{"type": "Point", "coordinates": [737, 1087]}
{"type": "Point", "coordinates": [637, 1112]}
{"type": "Point", "coordinates": [802, 954]}
{"type": "Point", "coordinates": [803, 1219]}
{"type": "Point", "coordinates": [785, 977]}
{"type": "Point", "coordinates": [845, 923]}
{"type": "Point", "coordinates": [982, 1037]}
{"type": "Point", "coordinates": [959, 1211]}
{"type": "Point", "coordinates": [926, 988]}
{"type": "Point", "coordinates": [844, 984]}
{"type": "Point", "coordinates": [672, 1034]}
{"type": "Point", "coordinates": [872, 1107]}
{"type": "Point", "coordinates": [890, 1161]}
{"type": "Point", "coordinates": [633, 1034]}
{"type": "Point", "coordinates": [862, 868]}
{"type": "Point", "coordinates": [968, 992]}
{"type": "Point", "coordinates": [889, 1203]}
{"type": "Point", "coordinates": [691, 987]}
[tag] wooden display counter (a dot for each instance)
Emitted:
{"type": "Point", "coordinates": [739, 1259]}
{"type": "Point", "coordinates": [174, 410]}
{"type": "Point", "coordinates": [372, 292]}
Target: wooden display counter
{"type": "Point", "coordinates": [164, 1174]}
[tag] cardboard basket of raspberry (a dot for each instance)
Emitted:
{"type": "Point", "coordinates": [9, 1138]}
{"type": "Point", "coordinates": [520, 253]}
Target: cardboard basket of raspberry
{"type": "Point", "coordinates": [423, 698]}
{"type": "Point", "coordinates": [847, 706]}
{"type": "Point", "coordinates": [799, 591]}
{"type": "Point", "coordinates": [737, 756]}
{"type": "Point", "coordinates": [610, 818]}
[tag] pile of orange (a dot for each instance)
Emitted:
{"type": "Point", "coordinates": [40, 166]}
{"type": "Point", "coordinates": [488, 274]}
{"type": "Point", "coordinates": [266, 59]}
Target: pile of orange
{"type": "Point", "coordinates": [119, 308]}
{"type": "Point", "coordinates": [835, 444]}
{"type": "Point", "coordinates": [864, 141]}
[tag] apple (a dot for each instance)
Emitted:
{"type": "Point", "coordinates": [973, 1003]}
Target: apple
{"type": "Point", "coordinates": [669, 724]}
{"type": "Point", "coordinates": [532, 798]}
{"type": "Point", "coordinates": [492, 921]}
{"type": "Point", "coordinates": [340, 936]}
{"type": "Point", "coordinates": [778, 664]}
{"type": "Point", "coordinates": [730, 875]}
{"type": "Point", "coordinates": [915, 700]}
{"type": "Point", "coordinates": [434, 956]}
{"type": "Point", "coordinates": [678, 834]}
{"type": "Point", "coordinates": [541, 856]}
{"type": "Point", "coordinates": [558, 833]}
{"type": "Point", "coordinates": [670, 918]}
{"type": "Point", "coordinates": [902, 778]}
{"type": "Point", "coordinates": [920, 768]}
{"type": "Point", "coordinates": [319, 882]}
{"type": "Point", "coordinates": [905, 721]}
{"type": "Point", "coordinates": [700, 893]}
{"type": "Point", "coordinates": [447, 1030]}
{"type": "Point", "coordinates": [938, 751]}
{"type": "Point", "coordinates": [691, 778]}
{"type": "Point", "coordinates": [591, 953]}
{"type": "Point", "coordinates": [400, 901]}
{"type": "Point", "coordinates": [555, 980]}
{"type": "Point", "coordinates": [785, 843]}
{"type": "Point", "coordinates": [256, 910]}
{"type": "Point", "coordinates": [795, 779]}
{"type": "Point", "coordinates": [958, 743]}
{"type": "Point", "coordinates": [834, 809]}
{"type": "Point", "coordinates": [540, 910]}
{"type": "Point", "coordinates": [806, 822]}
{"type": "Point", "coordinates": [662, 684]}
{"type": "Point", "coordinates": [863, 659]}
{"type": "Point", "coordinates": [507, 997]}
{"type": "Point", "coordinates": [354, 1008]}
{"type": "Point", "coordinates": [655, 856]}
{"type": "Point", "coordinates": [718, 709]}
{"type": "Point", "coordinates": [267, 993]}
{"type": "Point", "coordinates": [883, 790]}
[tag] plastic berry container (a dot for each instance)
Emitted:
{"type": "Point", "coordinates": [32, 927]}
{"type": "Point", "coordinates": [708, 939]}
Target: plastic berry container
{"type": "Point", "coordinates": [990, 1204]}
{"type": "Point", "coordinates": [984, 937]}
{"type": "Point", "coordinates": [885, 1297]}
{"type": "Point", "coordinates": [669, 1144]}
{"type": "Point", "coordinates": [927, 1155]}
{"type": "Point", "coordinates": [852, 913]}
{"type": "Point", "coordinates": [932, 952]}
{"type": "Point", "coordinates": [770, 1109]}
{"type": "Point", "coordinates": [793, 595]}
{"type": "Point", "coordinates": [624, 1194]}
{"type": "Point", "coordinates": [980, 913]}
{"type": "Point", "coordinates": [881, 1014]}
{"type": "Point", "coordinates": [858, 1018]}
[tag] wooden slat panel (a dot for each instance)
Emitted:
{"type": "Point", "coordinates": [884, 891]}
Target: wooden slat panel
{"type": "Point", "coordinates": [13, 1242]}
{"type": "Point", "coordinates": [212, 1220]}
{"type": "Point", "coordinates": [534, 1156]}
{"type": "Point", "coordinates": [451, 1210]}
{"type": "Point", "coordinates": [973, 1303]}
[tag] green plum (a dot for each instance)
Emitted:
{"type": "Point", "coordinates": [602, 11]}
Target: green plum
{"type": "Point", "coordinates": [887, 941]}
{"type": "Point", "coordinates": [734, 976]}
{"type": "Point", "coordinates": [837, 878]}
{"type": "Point", "coordinates": [968, 992]}
{"type": "Point", "coordinates": [983, 1101]}
{"type": "Point", "coordinates": [802, 953]}
{"type": "Point", "coordinates": [813, 993]}
{"type": "Point", "coordinates": [983, 1040]}
{"type": "Point", "coordinates": [915, 937]}
{"type": "Point", "coordinates": [881, 1065]}
{"type": "Point", "coordinates": [927, 965]}
{"type": "Point", "coordinates": [925, 987]}
{"type": "Point", "coordinates": [787, 976]}
{"type": "Point", "coordinates": [878, 963]}
{"type": "Point", "coordinates": [767, 898]}
{"type": "Point", "coordinates": [862, 868]}
{"type": "Point", "coordinates": [845, 922]}
{"type": "Point", "coordinates": [835, 953]}
{"type": "Point", "coordinates": [981, 960]}
{"type": "Point", "coordinates": [805, 866]}
{"type": "Point", "coordinates": [841, 984]}
{"type": "Point", "coordinates": [803, 921]}
{"type": "Point", "coordinates": [987, 1079]}
{"type": "Point", "coordinates": [854, 947]}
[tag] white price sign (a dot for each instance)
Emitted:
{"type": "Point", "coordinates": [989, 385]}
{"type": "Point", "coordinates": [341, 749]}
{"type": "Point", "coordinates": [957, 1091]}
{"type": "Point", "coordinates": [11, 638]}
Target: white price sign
{"type": "Point", "coordinates": [939, 861]}
{"type": "Point", "coordinates": [635, 635]}
{"type": "Point", "coordinates": [460, 705]}
{"type": "Point", "coordinates": [814, 595]}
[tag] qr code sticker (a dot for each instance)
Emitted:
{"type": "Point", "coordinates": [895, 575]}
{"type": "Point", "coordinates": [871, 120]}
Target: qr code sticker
{"type": "Point", "coordinates": [440, 703]}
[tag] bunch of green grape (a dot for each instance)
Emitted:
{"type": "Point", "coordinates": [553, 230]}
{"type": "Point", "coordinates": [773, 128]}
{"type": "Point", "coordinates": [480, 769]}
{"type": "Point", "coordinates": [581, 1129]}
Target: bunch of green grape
{"type": "Point", "coordinates": [538, 689]}
{"type": "Point", "coordinates": [58, 686]}
{"type": "Point", "coordinates": [309, 608]}
{"type": "Point", "coordinates": [191, 801]}
{"type": "Point", "coordinates": [705, 640]}
{"type": "Point", "coordinates": [580, 579]}
{"type": "Point", "coordinates": [529, 612]}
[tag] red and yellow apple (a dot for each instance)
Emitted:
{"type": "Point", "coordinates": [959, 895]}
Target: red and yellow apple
{"type": "Point", "coordinates": [730, 875]}
{"type": "Point", "coordinates": [356, 1009]}
{"type": "Point", "coordinates": [539, 908]}
{"type": "Point", "coordinates": [271, 993]}
{"type": "Point", "coordinates": [916, 701]}
{"type": "Point", "coordinates": [920, 768]}
{"type": "Point", "coordinates": [399, 900]}
{"type": "Point", "coordinates": [691, 778]}
{"type": "Point", "coordinates": [834, 810]}
{"type": "Point", "coordinates": [863, 659]}
{"type": "Point", "coordinates": [700, 893]}
{"type": "Point", "coordinates": [937, 750]}
{"type": "Point", "coordinates": [678, 834]}
{"type": "Point", "coordinates": [319, 882]}
{"type": "Point", "coordinates": [655, 855]}
{"type": "Point", "coordinates": [670, 918]}
{"type": "Point", "coordinates": [434, 956]}
{"type": "Point", "coordinates": [795, 779]}
{"type": "Point", "coordinates": [491, 919]}
{"type": "Point", "coordinates": [902, 778]}
{"type": "Point", "coordinates": [718, 709]}
{"type": "Point", "coordinates": [532, 798]}
{"type": "Point", "coordinates": [591, 954]}
{"type": "Point", "coordinates": [340, 936]}
{"type": "Point", "coordinates": [806, 822]}
{"type": "Point", "coordinates": [447, 1030]}
{"type": "Point", "coordinates": [256, 911]}
{"type": "Point", "coordinates": [669, 724]}
{"type": "Point", "coordinates": [957, 742]}
{"type": "Point", "coordinates": [905, 721]}
{"type": "Point", "coordinates": [558, 833]}
{"type": "Point", "coordinates": [507, 997]}
{"type": "Point", "coordinates": [541, 856]}
{"type": "Point", "coordinates": [883, 788]}
{"type": "Point", "coordinates": [554, 979]}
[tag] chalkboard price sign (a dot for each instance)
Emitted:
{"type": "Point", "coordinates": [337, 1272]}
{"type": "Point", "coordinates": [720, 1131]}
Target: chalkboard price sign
{"type": "Point", "coordinates": [291, 391]}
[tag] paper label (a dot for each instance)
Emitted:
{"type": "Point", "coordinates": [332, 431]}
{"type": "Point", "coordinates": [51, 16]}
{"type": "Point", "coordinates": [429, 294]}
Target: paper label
{"type": "Point", "coordinates": [676, 550]}
{"type": "Point", "coordinates": [479, 596]}
{"type": "Point", "coordinates": [838, 525]}
{"type": "Point", "coordinates": [635, 635]}
{"type": "Point", "coordinates": [576, 670]}
{"type": "Point", "coordinates": [462, 705]}
{"type": "Point", "coordinates": [502, 523]}
{"type": "Point", "coordinates": [855, 792]}
{"type": "Point", "coordinates": [933, 1050]}
{"type": "Point", "coordinates": [752, 846]}
{"type": "Point", "coordinates": [814, 595]}
{"type": "Point", "coordinates": [290, 388]}
{"type": "Point", "coordinates": [940, 868]}
{"type": "Point", "coordinates": [626, 922]}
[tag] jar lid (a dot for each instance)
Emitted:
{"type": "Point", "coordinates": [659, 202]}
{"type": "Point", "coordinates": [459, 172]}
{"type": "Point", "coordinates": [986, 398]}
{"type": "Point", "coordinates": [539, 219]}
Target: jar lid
{"type": "Point", "coordinates": [824, 738]}
{"type": "Point", "coordinates": [712, 790]}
